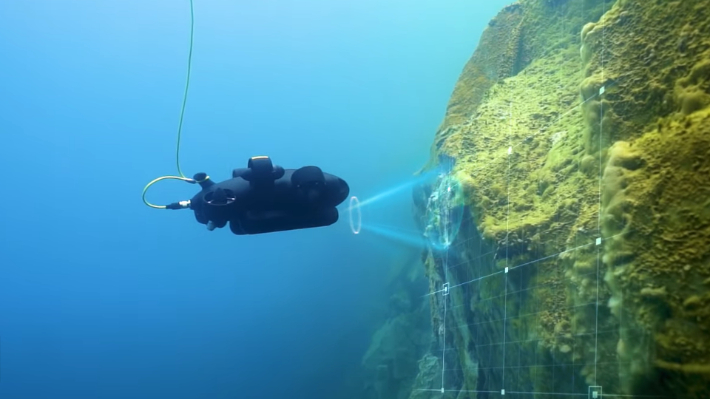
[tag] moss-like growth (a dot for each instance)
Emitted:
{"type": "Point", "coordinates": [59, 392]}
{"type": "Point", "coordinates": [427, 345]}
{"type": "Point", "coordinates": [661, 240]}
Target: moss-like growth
{"type": "Point", "coordinates": [581, 134]}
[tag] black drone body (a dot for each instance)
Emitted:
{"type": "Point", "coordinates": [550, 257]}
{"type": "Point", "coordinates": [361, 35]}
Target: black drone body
{"type": "Point", "coordinates": [264, 198]}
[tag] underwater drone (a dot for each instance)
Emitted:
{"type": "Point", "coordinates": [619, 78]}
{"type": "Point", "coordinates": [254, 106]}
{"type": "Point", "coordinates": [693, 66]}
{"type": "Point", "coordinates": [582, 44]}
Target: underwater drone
{"type": "Point", "coordinates": [260, 198]}
{"type": "Point", "coordinates": [264, 198]}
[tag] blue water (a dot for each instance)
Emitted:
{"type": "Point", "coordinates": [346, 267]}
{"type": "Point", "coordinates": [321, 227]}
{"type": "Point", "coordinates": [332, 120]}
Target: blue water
{"type": "Point", "coordinates": [103, 297]}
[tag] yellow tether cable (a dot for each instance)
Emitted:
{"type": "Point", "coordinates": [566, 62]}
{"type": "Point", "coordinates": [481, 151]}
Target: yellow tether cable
{"type": "Point", "coordinates": [182, 114]}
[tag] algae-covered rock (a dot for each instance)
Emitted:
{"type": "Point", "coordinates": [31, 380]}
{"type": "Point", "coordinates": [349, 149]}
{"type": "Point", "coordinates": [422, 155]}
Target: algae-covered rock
{"type": "Point", "coordinates": [489, 63]}
{"type": "Point", "coordinates": [428, 381]}
{"type": "Point", "coordinates": [581, 134]}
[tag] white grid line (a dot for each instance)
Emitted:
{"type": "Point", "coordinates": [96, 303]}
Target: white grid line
{"type": "Point", "coordinates": [507, 237]}
{"type": "Point", "coordinates": [518, 266]}
{"type": "Point", "coordinates": [448, 240]}
{"type": "Point", "coordinates": [532, 287]}
{"type": "Point", "coordinates": [548, 393]}
{"type": "Point", "coordinates": [601, 109]}
{"type": "Point", "coordinates": [519, 317]}
{"type": "Point", "coordinates": [454, 391]}
{"type": "Point", "coordinates": [559, 335]}
{"type": "Point", "coordinates": [530, 366]}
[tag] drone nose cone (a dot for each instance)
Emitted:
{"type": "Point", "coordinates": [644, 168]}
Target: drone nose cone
{"type": "Point", "coordinates": [343, 190]}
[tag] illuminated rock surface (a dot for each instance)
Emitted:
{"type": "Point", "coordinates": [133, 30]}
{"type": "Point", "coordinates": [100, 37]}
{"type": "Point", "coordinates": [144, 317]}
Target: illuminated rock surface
{"type": "Point", "coordinates": [575, 121]}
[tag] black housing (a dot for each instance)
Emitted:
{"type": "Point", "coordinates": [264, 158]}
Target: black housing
{"type": "Point", "coordinates": [264, 198]}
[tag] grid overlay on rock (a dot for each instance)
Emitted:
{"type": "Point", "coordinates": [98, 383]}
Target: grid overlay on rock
{"type": "Point", "coordinates": [500, 361]}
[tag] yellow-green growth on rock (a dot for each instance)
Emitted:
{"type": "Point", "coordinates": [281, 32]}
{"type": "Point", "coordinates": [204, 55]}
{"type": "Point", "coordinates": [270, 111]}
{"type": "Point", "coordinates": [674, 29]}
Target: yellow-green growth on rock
{"type": "Point", "coordinates": [581, 133]}
{"type": "Point", "coordinates": [483, 70]}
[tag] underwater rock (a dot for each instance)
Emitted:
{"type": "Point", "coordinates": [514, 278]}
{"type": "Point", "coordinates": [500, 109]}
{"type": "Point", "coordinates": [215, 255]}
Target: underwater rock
{"type": "Point", "coordinates": [390, 364]}
{"type": "Point", "coordinates": [581, 130]}
{"type": "Point", "coordinates": [428, 381]}
{"type": "Point", "coordinates": [488, 64]}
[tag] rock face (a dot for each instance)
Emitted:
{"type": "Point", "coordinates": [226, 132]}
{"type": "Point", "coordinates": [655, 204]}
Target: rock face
{"type": "Point", "coordinates": [581, 134]}
{"type": "Point", "coordinates": [392, 361]}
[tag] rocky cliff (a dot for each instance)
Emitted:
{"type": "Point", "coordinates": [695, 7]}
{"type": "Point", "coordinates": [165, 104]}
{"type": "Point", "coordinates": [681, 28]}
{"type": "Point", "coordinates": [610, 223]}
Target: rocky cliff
{"type": "Point", "coordinates": [580, 131]}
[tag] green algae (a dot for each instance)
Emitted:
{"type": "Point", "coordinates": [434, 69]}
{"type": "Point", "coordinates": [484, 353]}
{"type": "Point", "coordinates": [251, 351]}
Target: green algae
{"type": "Point", "coordinates": [591, 124]}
